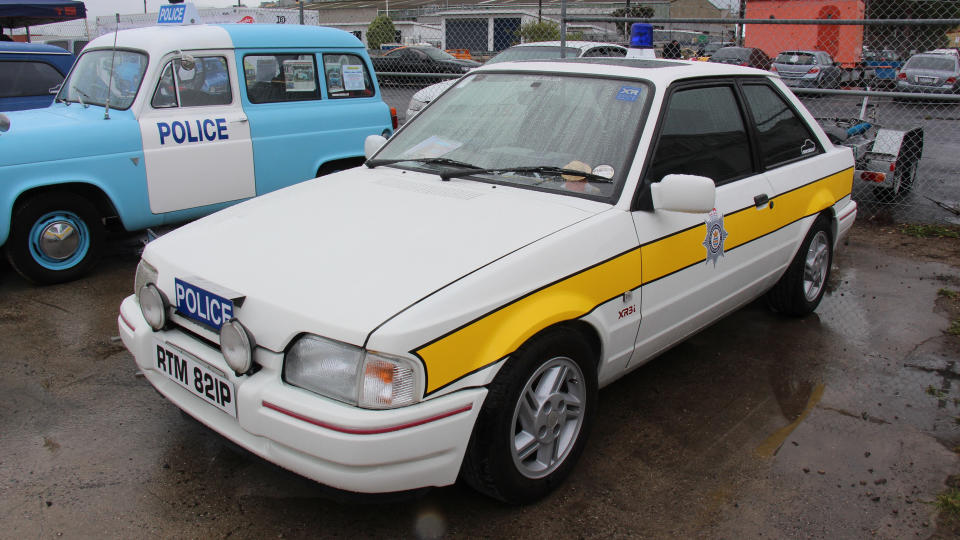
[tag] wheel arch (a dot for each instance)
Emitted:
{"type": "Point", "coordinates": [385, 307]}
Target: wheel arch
{"type": "Point", "coordinates": [93, 193]}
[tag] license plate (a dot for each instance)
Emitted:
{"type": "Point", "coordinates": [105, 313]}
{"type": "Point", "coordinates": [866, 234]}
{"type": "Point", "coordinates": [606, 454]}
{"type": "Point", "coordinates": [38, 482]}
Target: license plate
{"type": "Point", "coordinates": [926, 80]}
{"type": "Point", "coordinates": [202, 305]}
{"type": "Point", "coordinates": [197, 377]}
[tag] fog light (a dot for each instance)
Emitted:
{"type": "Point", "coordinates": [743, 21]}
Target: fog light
{"type": "Point", "coordinates": [153, 305]}
{"type": "Point", "coordinates": [236, 346]}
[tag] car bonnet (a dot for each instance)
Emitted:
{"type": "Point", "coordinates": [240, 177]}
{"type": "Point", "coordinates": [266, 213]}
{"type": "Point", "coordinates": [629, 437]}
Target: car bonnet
{"type": "Point", "coordinates": [340, 255]}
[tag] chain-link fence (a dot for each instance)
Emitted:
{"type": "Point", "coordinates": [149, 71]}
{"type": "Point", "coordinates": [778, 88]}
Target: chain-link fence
{"type": "Point", "coordinates": [883, 76]}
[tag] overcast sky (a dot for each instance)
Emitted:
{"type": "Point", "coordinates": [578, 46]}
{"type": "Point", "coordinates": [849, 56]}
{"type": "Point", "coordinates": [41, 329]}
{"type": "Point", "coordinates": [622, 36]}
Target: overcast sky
{"type": "Point", "coordinates": [125, 7]}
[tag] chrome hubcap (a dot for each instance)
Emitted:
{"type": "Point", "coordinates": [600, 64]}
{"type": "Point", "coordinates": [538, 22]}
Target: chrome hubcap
{"type": "Point", "coordinates": [815, 266]}
{"type": "Point", "coordinates": [59, 240]}
{"type": "Point", "coordinates": [548, 417]}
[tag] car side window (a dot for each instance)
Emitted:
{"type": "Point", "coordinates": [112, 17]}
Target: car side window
{"type": "Point", "coordinates": [783, 135]}
{"type": "Point", "coordinates": [204, 81]}
{"type": "Point", "coordinates": [703, 133]}
{"type": "Point", "coordinates": [277, 78]}
{"type": "Point", "coordinates": [22, 78]}
{"type": "Point", "coordinates": [347, 76]}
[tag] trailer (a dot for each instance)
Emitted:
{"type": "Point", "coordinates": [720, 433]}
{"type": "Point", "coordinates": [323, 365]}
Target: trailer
{"type": "Point", "coordinates": [886, 158]}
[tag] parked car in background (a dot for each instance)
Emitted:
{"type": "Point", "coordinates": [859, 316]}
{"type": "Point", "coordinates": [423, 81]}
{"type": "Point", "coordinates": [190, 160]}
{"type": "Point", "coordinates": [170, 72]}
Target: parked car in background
{"type": "Point", "coordinates": [807, 69]}
{"type": "Point", "coordinates": [74, 45]}
{"type": "Point", "coordinates": [30, 74]}
{"type": "Point", "coordinates": [450, 310]}
{"type": "Point", "coordinates": [408, 64]}
{"type": "Point", "coordinates": [539, 50]}
{"type": "Point", "coordinates": [199, 117]}
{"type": "Point", "coordinates": [930, 73]}
{"type": "Point", "coordinates": [742, 56]}
{"type": "Point", "coordinates": [881, 67]}
{"type": "Point", "coordinates": [710, 48]}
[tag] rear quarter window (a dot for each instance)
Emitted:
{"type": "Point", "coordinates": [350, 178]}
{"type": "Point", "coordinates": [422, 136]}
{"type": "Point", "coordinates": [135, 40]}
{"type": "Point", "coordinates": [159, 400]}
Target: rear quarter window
{"type": "Point", "coordinates": [346, 76]}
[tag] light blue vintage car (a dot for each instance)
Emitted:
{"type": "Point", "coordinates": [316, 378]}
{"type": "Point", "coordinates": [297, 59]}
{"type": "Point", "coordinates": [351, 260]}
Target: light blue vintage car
{"type": "Point", "coordinates": [173, 123]}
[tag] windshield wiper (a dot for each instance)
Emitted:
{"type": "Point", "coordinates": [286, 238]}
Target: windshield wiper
{"type": "Point", "coordinates": [81, 96]}
{"type": "Point", "coordinates": [431, 161]}
{"type": "Point", "coordinates": [542, 169]}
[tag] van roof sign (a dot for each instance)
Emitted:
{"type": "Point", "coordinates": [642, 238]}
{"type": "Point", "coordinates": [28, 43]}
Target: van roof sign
{"type": "Point", "coordinates": [178, 14]}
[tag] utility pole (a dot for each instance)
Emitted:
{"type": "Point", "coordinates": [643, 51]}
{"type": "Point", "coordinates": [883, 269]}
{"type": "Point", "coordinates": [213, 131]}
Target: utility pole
{"type": "Point", "coordinates": [741, 28]}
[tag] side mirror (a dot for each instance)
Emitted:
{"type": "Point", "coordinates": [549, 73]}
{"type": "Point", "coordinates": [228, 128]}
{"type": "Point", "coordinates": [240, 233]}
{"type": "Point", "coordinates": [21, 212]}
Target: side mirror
{"type": "Point", "coordinates": [684, 193]}
{"type": "Point", "coordinates": [372, 144]}
{"type": "Point", "coordinates": [187, 61]}
{"type": "Point", "coordinates": [4, 123]}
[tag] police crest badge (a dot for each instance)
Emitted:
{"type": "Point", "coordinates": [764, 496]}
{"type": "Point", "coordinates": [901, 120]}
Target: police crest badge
{"type": "Point", "coordinates": [715, 237]}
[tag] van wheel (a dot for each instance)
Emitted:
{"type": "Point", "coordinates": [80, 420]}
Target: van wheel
{"type": "Point", "coordinates": [535, 420]}
{"type": "Point", "coordinates": [54, 237]}
{"type": "Point", "coordinates": [800, 289]}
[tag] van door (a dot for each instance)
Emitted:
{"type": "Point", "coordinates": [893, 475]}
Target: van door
{"type": "Point", "coordinates": [196, 139]}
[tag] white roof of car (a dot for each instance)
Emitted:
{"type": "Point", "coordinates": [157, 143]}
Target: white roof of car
{"type": "Point", "coordinates": [158, 40]}
{"type": "Point", "coordinates": [574, 44]}
{"type": "Point", "coordinates": [660, 72]}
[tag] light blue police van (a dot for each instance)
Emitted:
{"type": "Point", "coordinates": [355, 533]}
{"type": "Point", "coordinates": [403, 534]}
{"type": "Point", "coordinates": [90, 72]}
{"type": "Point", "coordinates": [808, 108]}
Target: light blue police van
{"type": "Point", "coordinates": [164, 124]}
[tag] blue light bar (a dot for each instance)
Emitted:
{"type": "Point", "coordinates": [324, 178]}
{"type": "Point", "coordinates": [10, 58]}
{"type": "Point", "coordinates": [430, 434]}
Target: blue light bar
{"type": "Point", "coordinates": [641, 36]}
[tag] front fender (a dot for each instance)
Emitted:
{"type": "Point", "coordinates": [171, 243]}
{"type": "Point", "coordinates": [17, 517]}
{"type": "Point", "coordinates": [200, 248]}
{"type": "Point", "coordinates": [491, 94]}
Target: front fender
{"type": "Point", "coordinates": [120, 177]}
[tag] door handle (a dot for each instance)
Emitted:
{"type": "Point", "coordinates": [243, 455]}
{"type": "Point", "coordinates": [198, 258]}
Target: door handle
{"type": "Point", "coordinates": [239, 120]}
{"type": "Point", "coordinates": [762, 200]}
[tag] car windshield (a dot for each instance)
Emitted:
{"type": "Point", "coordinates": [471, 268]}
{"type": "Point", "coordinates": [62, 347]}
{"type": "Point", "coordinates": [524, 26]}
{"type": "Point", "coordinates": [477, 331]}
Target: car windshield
{"type": "Point", "coordinates": [91, 77]}
{"type": "Point", "coordinates": [521, 120]}
{"type": "Point", "coordinates": [936, 63]}
{"type": "Point", "coordinates": [437, 54]}
{"type": "Point", "coordinates": [536, 52]}
{"type": "Point", "coordinates": [795, 58]}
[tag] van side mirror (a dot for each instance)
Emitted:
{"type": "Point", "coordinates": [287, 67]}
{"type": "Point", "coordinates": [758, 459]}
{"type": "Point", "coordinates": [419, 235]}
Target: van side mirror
{"type": "Point", "coordinates": [684, 193]}
{"type": "Point", "coordinates": [372, 144]}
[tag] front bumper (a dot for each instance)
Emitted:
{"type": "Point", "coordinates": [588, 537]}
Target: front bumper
{"type": "Point", "coordinates": [333, 443]}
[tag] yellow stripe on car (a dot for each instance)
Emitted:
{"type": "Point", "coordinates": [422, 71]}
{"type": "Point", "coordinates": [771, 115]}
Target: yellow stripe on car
{"type": "Point", "coordinates": [500, 332]}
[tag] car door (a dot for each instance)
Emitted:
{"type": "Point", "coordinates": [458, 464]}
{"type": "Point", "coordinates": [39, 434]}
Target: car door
{"type": "Point", "coordinates": [196, 139]}
{"type": "Point", "coordinates": [805, 176]}
{"type": "Point", "coordinates": [697, 267]}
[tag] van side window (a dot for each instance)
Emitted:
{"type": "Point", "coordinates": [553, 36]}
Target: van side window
{"type": "Point", "coordinates": [205, 81]}
{"type": "Point", "coordinates": [276, 78]}
{"type": "Point", "coordinates": [783, 136]}
{"type": "Point", "coordinates": [703, 134]}
{"type": "Point", "coordinates": [346, 76]}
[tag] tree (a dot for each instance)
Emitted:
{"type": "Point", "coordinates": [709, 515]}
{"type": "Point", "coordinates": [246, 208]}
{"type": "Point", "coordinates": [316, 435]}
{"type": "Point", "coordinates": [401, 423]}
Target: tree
{"type": "Point", "coordinates": [640, 12]}
{"type": "Point", "coordinates": [907, 39]}
{"type": "Point", "coordinates": [380, 31]}
{"type": "Point", "coordinates": [545, 31]}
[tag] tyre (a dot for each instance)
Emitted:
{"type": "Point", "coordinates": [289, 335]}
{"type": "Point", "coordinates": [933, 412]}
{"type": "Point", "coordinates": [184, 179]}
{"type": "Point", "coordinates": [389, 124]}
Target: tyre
{"type": "Point", "coordinates": [536, 419]}
{"type": "Point", "coordinates": [904, 177]}
{"type": "Point", "coordinates": [800, 289]}
{"type": "Point", "coordinates": [54, 237]}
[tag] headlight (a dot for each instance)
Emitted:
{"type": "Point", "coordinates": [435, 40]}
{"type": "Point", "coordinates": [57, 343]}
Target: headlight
{"type": "Point", "coordinates": [146, 273]}
{"type": "Point", "coordinates": [351, 374]}
{"type": "Point", "coordinates": [153, 305]}
{"type": "Point", "coordinates": [236, 344]}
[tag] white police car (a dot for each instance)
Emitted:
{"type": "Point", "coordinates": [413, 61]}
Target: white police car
{"type": "Point", "coordinates": [452, 308]}
{"type": "Point", "coordinates": [174, 123]}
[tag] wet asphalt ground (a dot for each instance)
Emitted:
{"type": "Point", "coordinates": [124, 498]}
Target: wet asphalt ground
{"type": "Point", "coordinates": [839, 425]}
